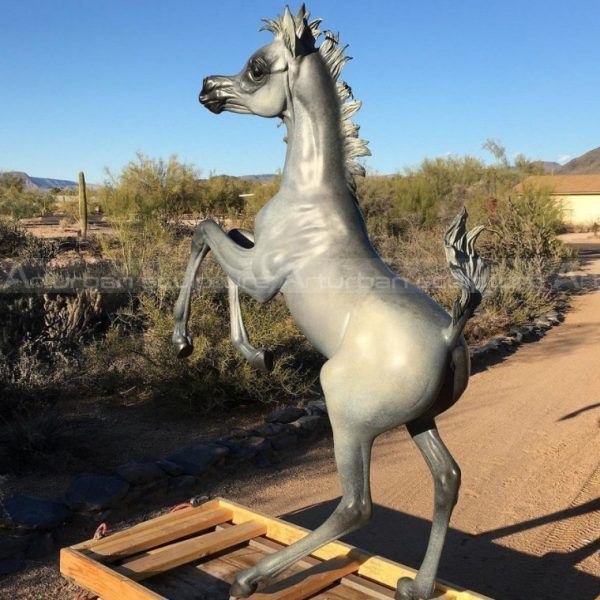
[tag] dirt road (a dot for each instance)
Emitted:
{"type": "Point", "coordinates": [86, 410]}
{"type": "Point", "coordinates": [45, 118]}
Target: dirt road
{"type": "Point", "coordinates": [526, 435]}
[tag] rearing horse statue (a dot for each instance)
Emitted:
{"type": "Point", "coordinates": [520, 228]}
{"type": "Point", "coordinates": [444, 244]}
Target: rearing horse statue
{"type": "Point", "coordinates": [394, 356]}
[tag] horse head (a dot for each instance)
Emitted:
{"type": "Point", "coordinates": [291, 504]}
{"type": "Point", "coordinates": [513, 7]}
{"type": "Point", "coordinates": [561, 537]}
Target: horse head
{"type": "Point", "coordinates": [262, 87]}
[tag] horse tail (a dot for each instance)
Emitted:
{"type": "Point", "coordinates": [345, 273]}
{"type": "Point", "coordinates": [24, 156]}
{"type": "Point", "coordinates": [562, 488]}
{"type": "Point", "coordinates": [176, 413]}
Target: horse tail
{"type": "Point", "coordinates": [468, 268]}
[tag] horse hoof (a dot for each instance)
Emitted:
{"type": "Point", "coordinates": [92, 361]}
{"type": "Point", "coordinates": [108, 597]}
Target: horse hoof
{"type": "Point", "coordinates": [407, 590]}
{"type": "Point", "coordinates": [263, 361]}
{"type": "Point", "coordinates": [241, 589]}
{"type": "Point", "coordinates": [183, 346]}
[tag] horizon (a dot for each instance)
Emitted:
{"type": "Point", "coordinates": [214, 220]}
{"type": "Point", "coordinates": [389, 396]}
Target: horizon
{"type": "Point", "coordinates": [87, 85]}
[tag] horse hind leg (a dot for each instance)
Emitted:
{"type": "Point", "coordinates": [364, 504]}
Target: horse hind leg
{"type": "Point", "coordinates": [260, 359]}
{"type": "Point", "coordinates": [446, 478]}
{"type": "Point", "coordinates": [353, 457]}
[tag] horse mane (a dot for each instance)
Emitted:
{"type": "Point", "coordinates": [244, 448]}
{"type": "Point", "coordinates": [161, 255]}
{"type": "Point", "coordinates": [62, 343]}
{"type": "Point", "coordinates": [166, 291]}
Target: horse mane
{"type": "Point", "coordinates": [300, 33]}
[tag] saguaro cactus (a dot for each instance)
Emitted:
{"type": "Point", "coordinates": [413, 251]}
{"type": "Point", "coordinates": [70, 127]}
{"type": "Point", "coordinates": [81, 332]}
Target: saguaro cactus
{"type": "Point", "coordinates": [83, 212]}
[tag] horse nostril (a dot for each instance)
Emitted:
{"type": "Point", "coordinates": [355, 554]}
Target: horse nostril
{"type": "Point", "coordinates": [208, 85]}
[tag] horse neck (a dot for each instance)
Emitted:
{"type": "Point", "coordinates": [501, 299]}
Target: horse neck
{"type": "Point", "coordinates": [315, 155]}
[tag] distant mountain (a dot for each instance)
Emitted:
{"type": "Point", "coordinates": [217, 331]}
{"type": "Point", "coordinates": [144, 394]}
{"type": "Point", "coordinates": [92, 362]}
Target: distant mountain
{"type": "Point", "coordinates": [586, 163]}
{"type": "Point", "coordinates": [43, 184]}
{"type": "Point", "coordinates": [263, 177]}
{"type": "Point", "coordinates": [548, 167]}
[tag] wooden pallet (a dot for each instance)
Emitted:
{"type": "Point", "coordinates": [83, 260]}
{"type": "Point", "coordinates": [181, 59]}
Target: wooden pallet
{"type": "Point", "coordinates": [194, 553]}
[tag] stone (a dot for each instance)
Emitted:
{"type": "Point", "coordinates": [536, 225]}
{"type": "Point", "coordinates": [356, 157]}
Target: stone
{"type": "Point", "coordinates": [41, 545]}
{"type": "Point", "coordinates": [196, 458]}
{"type": "Point", "coordinates": [170, 468]}
{"type": "Point", "coordinates": [285, 441]}
{"type": "Point", "coordinates": [33, 513]}
{"type": "Point", "coordinates": [96, 492]}
{"type": "Point", "coordinates": [140, 473]}
{"type": "Point", "coordinates": [515, 334]}
{"type": "Point", "coordinates": [182, 483]}
{"type": "Point", "coordinates": [11, 565]}
{"type": "Point", "coordinates": [543, 322]}
{"type": "Point", "coordinates": [263, 460]}
{"type": "Point", "coordinates": [528, 332]}
{"type": "Point", "coordinates": [13, 545]}
{"type": "Point", "coordinates": [317, 407]}
{"type": "Point", "coordinates": [258, 443]}
{"type": "Point", "coordinates": [286, 415]}
{"type": "Point", "coordinates": [311, 423]}
{"type": "Point", "coordinates": [269, 429]}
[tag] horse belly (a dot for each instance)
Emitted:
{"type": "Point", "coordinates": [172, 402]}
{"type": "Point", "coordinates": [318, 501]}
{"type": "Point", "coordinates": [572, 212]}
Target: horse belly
{"type": "Point", "coordinates": [321, 315]}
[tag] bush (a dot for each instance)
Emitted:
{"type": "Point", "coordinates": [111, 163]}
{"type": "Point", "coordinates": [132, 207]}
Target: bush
{"type": "Point", "coordinates": [18, 202]}
{"type": "Point", "coordinates": [150, 188]}
{"type": "Point", "coordinates": [137, 351]}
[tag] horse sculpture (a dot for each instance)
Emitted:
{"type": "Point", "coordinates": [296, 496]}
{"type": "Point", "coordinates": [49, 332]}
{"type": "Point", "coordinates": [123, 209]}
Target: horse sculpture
{"type": "Point", "coordinates": [394, 356]}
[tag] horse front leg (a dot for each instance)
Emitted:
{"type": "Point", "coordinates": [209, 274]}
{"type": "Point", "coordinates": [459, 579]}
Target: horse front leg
{"type": "Point", "coordinates": [181, 313]}
{"type": "Point", "coordinates": [236, 260]}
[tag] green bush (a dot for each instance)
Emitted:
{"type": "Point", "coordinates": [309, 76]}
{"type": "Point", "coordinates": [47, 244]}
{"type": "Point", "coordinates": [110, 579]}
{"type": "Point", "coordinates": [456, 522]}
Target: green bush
{"type": "Point", "coordinates": [18, 202]}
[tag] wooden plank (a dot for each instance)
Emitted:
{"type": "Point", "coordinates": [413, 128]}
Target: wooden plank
{"type": "Point", "coordinates": [100, 579]}
{"type": "Point", "coordinates": [166, 519]}
{"type": "Point", "coordinates": [343, 592]}
{"type": "Point", "coordinates": [311, 581]}
{"type": "Point", "coordinates": [174, 555]}
{"type": "Point", "coordinates": [110, 549]}
{"type": "Point", "coordinates": [373, 567]}
{"type": "Point", "coordinates": [369, 588]}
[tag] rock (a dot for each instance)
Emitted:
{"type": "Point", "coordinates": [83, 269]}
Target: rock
{"type": "Point", "coordinates": [11, 565]}
{"type": "Point", "coordinates": [483, 350]}
{"type": "Point", "coordinates": [317, 407]}
{"type": "Point", "coordinates": [543, 322]}
{"type": "Point", "coordinates": [140, 473]}
{"type": "Point", "coordinates": [41, 545]}
{"type": "Point", "coordinates": [95, 492]}
{"type": "Point", "coordinates": [151, 489]}
{"type": "Point", "coordinates": [196, 458]}
{"type": "Point", "coordinates": [239, 433]}
{"type": "Point", "coordinates": [515, 334]}
{"type": "Point", "coordinates": [263, 460]}
{"type": "Point", "coordinates": [33, 513]}
{"type": "Point", "coordinates": [528, 332]}
{"type": "Point", "coordinates": [269, 429]}
{"type": "Point", "coordinates": [170, 468]}
{"type": "Point", "coordinates": [284, 441]}
{"type": "Point", "coordinates": [286, 415]}
{"type": "Point", "coordinates": [182, 484]}
{"type": "Point", "coordinates": [311, 423]}
{"type": "Point", "coordinates": [14, 546]}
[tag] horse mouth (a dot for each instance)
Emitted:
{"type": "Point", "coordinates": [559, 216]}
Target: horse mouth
{"type": "Point", "coordinates": [215, 105]}
{"type": "Point", "coordinates": [216, 91]}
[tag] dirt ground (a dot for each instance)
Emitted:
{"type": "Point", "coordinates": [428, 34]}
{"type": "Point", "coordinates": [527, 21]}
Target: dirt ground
{"type": "Point", "coordinates": [527, 437]}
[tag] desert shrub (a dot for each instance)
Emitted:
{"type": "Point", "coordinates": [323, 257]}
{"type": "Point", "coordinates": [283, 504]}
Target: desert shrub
{"type": "Point", "coordinates": [16, 243]}
{"type": "Point", "coordinates": [220, 195]}
{"type": "Point", "coordinates": [150, 188]}
{"type": "Point", "coordinates": [19, 202]}
{"type": "Point", "coordinates": [137, 351]}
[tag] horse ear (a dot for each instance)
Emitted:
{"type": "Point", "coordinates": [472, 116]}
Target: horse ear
{"type": "Point", "coordinates": [290, 35]}
{"type": "Point", "coordinates": [302, 15]}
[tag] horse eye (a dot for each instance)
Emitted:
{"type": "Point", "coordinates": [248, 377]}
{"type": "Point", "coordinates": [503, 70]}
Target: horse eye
{"type": "Point", "coordinates": [256, 71]}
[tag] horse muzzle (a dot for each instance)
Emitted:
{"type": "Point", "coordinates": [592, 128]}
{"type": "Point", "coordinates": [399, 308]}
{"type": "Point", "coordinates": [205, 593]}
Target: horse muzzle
{"type": "Point", "coordinates": [216, 90]}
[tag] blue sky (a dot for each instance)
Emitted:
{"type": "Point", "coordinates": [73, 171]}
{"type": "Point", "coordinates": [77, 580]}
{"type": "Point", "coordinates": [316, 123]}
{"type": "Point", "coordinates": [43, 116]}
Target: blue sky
{"type": "Point", "coordinates": [86, 83]}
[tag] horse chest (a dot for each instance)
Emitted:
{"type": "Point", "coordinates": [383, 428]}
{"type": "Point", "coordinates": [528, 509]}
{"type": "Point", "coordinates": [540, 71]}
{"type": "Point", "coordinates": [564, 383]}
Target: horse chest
{"type": "Point", "coordinates": [287, 234]}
